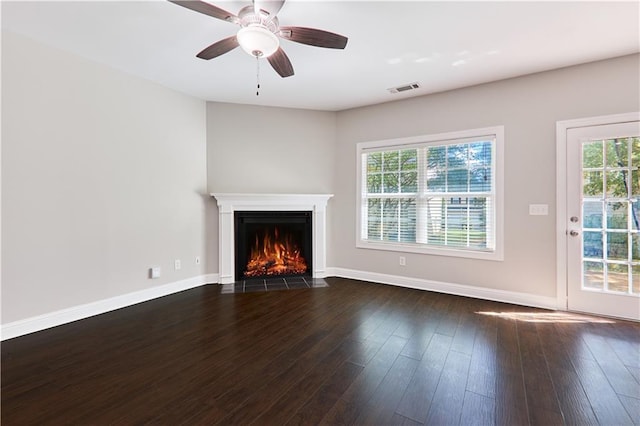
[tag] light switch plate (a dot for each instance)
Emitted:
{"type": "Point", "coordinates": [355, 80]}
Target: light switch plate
{"type": "Point", "coordinates": [538, 209]}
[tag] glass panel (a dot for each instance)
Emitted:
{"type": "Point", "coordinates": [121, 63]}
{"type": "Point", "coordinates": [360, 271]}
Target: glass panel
{"type": "Point", "coordinates": [374, 224]}
{"type": "Point", "coordinates": [480, 180]}
{"type": "Point", "coordinates": [435, 181]}
{"type": "Point", "coordinates": [457, 180]}
{"type": "Point", "coordinates": [437, 157]}
{"type": "Point", "coordinates": [373, 208]}
{"type": "Point", "coordinates": [592, 183]}
{"type": "Point", "coordinates": [478, 222]}
{"type": "Point", "coordinates": [457, 222]}
{"type": "Point", "coordinates": [435, 221]}
{"type": "Point", "coordinates": [592, 244]}
{"type": "Point", "coordinates": [592, 214]}
{"type": "Point", "coordinates": [617, 215]}
{"type": "Point", "coordinates": [635, 286]}
{"type": "Point", "coordinates": [635, 152]}
{"type": "Point", "coordinates": [409, 159]}
{"type": "Point", "coordinates": [617, 277]}
{"type": "Point", "coordinates": [480, 154]}
{"type": "Point", "coordinates": [409, 182]}
{"type": "Point", "coordinates": [390, 220]}
{"type": "Point", "coordinates": [374, 183]}
{"type": "Point", "coordinates": [374, 230]}
{"type": "Point", "coordinates": [617, 184]}
{"type": "Point", "coordinates": [635, 247]}
{"type": "Point", "coordinates": [593, 275]}
{"type": "Point", "coordinates": [635, 183]}
{"type": "Point", "coordinates": [617, 153]}
{"type": "Point", "coordinates": [390, 183]}
{"type": "Point", "coordinates": [374, 162]}
{"type": "Point", "coordinates": [635, 215]}
{"type": "Point", "coordinates": [390, 161]}
{"type": "Point", "coordinates": [408, 220]}
{"type": "Point", "coordinates": [457, 156]}
{"type": "Point", "coordinates": [617, 246]}
{"type": "Point", "coordinates": [592, 155]}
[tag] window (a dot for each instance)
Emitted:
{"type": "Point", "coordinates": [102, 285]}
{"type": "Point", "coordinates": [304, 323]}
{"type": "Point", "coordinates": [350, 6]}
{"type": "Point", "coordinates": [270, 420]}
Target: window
{"type": "Point", "coordinates": [438, 194]}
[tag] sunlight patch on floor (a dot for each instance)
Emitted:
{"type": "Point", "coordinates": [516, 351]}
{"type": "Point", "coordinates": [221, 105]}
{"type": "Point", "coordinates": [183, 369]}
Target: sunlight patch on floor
{"type": "Point", "coordinates": [552, 317]}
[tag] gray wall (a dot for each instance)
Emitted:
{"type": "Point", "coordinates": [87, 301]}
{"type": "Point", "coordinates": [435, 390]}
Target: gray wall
{"type": "Point", "coordinates": [103, 176]}
{"type": "Point", "coordinates": [256, 149]}
{"type": "Point", "coordinates": [528, 107]}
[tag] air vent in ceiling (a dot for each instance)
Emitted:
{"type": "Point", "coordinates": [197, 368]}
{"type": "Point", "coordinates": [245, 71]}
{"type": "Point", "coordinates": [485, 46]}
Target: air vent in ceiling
{"type": "Point", "coordinates": [404, 88]}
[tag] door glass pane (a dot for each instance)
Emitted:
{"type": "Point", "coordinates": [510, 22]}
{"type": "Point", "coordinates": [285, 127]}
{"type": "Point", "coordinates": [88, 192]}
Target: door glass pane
{"type": "Point", "coordinates": [635, 288]}
{"type": "Point", "coordinates": [617, 184]}
{"type": "Point", "coordinates": [635, 215]}
{"type": "Point", "coordinates": [617, 246]}
{"type": "Point", "coordinates": [592, 214]}
{"type": "Point", "coordinates": [592, 155]}
{"type": "Point", "coordinates": [617, 215]}
{"type": "Point", "coordinates": [635, 247]}
{"type": "Point", "coordinates": [617, 153]}
{"type": "Point", "coordinates": [592, 183]}
{"type": "Point", "coordinates": [593, 276]}
{"type": "Point", "coordinates": [592, 244]}
{"type": "Point", "coordinates": [617, 277]}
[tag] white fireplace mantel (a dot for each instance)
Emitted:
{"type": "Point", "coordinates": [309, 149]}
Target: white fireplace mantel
{"type": "Point", "coordinates": [228, 204]}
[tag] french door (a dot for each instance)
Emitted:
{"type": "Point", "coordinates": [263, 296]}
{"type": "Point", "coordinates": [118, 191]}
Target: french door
{"type": "Point", "coordinates": [603, 219]}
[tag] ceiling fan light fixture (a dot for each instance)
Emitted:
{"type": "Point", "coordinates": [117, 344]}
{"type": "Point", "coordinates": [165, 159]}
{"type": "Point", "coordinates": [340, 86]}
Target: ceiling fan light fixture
{"type": "Point", "coordinates": [258, 41]}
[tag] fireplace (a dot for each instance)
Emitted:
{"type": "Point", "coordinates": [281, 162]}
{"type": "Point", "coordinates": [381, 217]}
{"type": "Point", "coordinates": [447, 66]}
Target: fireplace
{"type": "Point", "coordinates": [273, 244]}
{"type": "Point", "coordinates": [228, 204]}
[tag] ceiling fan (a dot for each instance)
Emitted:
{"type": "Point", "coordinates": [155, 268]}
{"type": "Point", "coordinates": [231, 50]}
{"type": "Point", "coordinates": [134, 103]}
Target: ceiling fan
{"type": "Point", "coordinates": [260, 32]}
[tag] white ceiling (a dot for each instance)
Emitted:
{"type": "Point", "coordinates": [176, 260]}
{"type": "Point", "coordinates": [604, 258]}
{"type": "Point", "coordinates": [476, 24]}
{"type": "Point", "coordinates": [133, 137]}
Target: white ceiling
{"type": "Point", "coordinates": [441, 45]}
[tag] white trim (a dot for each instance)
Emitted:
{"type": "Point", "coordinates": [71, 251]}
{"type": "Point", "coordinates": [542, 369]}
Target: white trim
{"type": "Point", "coordinates": [494, 132]}
{"type": "Point", "coordinates": [562, 127]}
{"type": "Point", "coordinates": [524, 299]}
{"type": "Point", "coordinates": [229, 203]}
{"type": "Point", "coordinates": [64, 316]}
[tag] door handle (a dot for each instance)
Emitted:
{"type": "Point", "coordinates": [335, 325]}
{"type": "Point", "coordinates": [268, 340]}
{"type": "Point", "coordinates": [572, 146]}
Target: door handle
{"type": "Point", "coordinates": [574, 233]}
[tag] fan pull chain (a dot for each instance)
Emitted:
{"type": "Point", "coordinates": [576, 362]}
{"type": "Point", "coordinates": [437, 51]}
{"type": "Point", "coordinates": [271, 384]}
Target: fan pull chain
{"type": "Point", "coordinates": [257, 76]}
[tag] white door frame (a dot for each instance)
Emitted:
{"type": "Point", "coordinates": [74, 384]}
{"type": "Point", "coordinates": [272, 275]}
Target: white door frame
{"type": "Point", "coordinates": [562, 128]}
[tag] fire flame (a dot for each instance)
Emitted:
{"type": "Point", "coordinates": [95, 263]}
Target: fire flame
{"type": "Point", "coordinates": [275, 255]}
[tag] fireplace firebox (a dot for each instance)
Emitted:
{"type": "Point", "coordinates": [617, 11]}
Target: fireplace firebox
{"type": "Point", "coordinates": [272, 244]}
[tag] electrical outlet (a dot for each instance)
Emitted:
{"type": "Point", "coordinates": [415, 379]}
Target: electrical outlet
{"type": "Point", "coordinates": [197, 260]}
{"type": "Point", "coordinates": [154, 272]}
{"type": "Point", "coordinates": [177, 264]}
{"type": "Point", "coordinates": [403, 261]}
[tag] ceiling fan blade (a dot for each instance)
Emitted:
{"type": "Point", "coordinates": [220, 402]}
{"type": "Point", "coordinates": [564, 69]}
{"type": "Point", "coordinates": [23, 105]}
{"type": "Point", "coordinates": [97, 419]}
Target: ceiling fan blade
{"type": "Point", "coordinates": [219, 48]}
{"type": "Point", "coordinates": [272, 7]}
{"type": "Point", "coordinates": [314, 37]}
{"type": "Point", "coordinates": [281, 63]}
{"type": "Point", "coordinates": [206, 8]}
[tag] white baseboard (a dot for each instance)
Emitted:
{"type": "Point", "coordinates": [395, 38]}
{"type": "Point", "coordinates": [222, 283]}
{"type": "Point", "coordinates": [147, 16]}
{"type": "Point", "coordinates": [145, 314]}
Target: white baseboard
{"type": "Point", "coordinates": [53, 319]}
{"type": "Point", "coordinates": [515, 298]}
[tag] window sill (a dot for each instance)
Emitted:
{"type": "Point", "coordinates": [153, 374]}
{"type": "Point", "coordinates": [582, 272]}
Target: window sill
{"type": "Point", "coordinates": [494, 255]}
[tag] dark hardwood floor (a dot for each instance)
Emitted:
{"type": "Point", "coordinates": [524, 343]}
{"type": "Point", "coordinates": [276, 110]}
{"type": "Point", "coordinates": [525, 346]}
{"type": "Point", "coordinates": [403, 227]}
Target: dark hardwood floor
{"type": "Point", "coordinates": [350, 353]}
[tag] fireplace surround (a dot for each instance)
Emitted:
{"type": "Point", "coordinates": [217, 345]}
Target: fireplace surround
{"type": "Point", "coordinates": [229, 204]}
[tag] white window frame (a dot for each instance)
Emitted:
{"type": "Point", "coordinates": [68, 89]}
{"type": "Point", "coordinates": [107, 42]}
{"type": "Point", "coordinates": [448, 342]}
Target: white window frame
{"type": "Point", "coordinates": [496, 133]}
